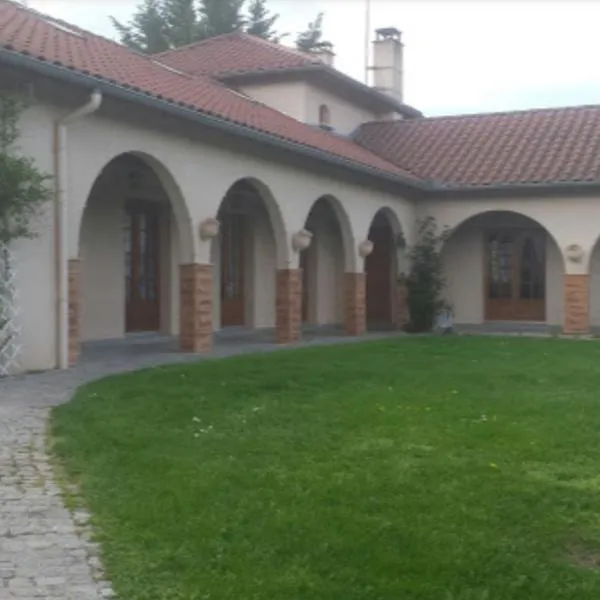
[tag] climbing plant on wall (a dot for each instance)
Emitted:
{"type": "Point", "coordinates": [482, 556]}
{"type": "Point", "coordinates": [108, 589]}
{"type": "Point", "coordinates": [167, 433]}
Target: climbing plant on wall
{"type": "Point", "coordinates": [23, 191]}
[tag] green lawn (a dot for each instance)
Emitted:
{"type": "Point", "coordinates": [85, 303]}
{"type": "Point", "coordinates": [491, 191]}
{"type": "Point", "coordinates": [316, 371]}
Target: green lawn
{"type": "Point", "coordinates": [439, 468]}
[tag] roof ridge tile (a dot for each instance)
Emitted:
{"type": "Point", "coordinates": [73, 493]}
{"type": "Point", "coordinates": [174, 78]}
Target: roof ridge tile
{"type": "Point", "coordinates": [507, 113]}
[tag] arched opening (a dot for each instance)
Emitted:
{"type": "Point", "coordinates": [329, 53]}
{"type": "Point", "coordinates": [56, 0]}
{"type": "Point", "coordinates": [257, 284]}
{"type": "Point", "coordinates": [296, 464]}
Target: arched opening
{"type": "Point", "coordinates": [323, 264]}
{"type": "Point", "coordinates": [594, 287]}
{"type": "Point", "coordinates": [381, 271]}
{"type": "Point", "coordinates": [324, 117]}
{"type": "Point", "coordinates": [245, 257]}
{"type": "Point", "coordinates": [131, 241]}
{"type": "Point", "coordinates": [504, 267]}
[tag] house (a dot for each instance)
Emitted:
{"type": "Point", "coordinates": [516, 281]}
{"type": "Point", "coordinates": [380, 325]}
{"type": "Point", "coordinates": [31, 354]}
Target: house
{"type": "Point", "coordinates": [240, 183]}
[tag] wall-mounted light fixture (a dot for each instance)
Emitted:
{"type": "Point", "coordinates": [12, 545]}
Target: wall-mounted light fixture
{"type": "Point", "coordinates": [208, 229]}
{"type": "Point", "coordinates": [301, 240]}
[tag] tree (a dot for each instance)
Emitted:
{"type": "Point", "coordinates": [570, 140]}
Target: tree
{"type": "Point", "coordinates": [182, 25]}
{"type": "Point", "coordinates": [147, 31]}
{"type": "Point", "coordinates": [312, 39]}
{"type": "Point", "coordinates": [159, 25]}
{"type": "Point", "coordinates": [426, 282]}
{"type": "Point", "coordinates": [23, 188]}
{"type": "Point", "coordinates": [220, 16]}
{"type": "Point", "coordinates": [23, 191]}
{"type": "Point", "coordinates": [260, 21]}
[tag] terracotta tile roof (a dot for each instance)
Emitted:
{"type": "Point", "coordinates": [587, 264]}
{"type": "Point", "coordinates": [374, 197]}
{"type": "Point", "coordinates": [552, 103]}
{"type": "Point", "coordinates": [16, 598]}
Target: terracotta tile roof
{"type": "Point", "coordinates": [535, 147]}
{"type": "Point", "coordinates": [236, 53]}
{"type": "Point", "coordinates": [237, 56]}
{"type": "Point", "coordinates": [48, 40]}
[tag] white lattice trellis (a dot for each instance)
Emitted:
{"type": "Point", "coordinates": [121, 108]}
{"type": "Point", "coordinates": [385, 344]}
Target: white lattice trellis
{"type": "Point", "coordinates": [10, 348]}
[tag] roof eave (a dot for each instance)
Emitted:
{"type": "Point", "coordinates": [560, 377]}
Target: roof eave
{"type": "Point", "coordinates": [117, 90]}
{"type": "Point", "coordinates": [374, 94]}
{"type": "Point", "coordinates": [437, 189]}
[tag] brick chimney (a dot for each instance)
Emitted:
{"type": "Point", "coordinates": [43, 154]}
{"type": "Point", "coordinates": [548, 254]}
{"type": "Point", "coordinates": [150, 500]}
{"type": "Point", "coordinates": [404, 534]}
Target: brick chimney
{"type": "Point", "coordinates": [325, 52]}
{"type": "Point", "coordinates": [388, 62]}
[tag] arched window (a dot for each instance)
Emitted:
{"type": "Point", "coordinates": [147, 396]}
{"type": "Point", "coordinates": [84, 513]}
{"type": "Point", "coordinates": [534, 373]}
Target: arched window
{"type": "Point", "coordinates": [324, 117]}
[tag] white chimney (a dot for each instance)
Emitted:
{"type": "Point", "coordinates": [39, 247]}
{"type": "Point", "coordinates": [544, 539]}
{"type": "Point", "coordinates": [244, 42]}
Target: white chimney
{"type": "Point", "coordinates": [388, 62]}
{"type": "Point", "coordinates": [324, 51]}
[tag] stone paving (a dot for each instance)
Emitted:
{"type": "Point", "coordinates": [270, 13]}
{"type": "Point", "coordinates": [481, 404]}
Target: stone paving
{"type": "Point", "coordinates": [45, 551]}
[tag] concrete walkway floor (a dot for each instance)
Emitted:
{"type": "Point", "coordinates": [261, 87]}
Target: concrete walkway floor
{"type": "Point", "coordinates": [45, 551]}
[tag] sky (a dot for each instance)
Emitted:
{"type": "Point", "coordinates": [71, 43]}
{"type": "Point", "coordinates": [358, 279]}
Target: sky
{"type": "Point", "coordinates": [461, 56]}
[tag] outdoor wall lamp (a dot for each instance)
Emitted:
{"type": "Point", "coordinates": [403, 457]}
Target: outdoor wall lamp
{"type": "Point", "coordinates": [365, 248]}
{"type": "Point", "coordinates": [209, 228]}
{"type": "Point", "coordinates": [574, 253]}
{"type": "Point", "coordinates": [301, 240]}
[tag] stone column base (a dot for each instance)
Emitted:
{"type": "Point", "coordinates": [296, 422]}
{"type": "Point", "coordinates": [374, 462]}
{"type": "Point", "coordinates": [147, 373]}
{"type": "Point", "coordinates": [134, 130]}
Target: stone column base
{"type": "Point", "coordinates": [356, 319]}
{"type": "Point", "coordinates": [74, 300]}
{"type": "Point", "coordinates": [577, 300]}
{"type": "Point", "coordinates": [196, 308]}
{"type": "Point", "coordinates": [288, 322]}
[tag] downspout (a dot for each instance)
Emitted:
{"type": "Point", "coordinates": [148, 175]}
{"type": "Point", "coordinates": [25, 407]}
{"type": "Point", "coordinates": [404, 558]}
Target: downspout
{"type": "Point", "coordinates": [61, 220]}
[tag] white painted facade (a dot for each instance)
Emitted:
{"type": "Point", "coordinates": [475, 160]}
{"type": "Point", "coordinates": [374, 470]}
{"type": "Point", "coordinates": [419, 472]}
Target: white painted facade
{"type": "Point", "coordinates": [302, 101]}
{"type": "Point", "coordinates": [192, 170]}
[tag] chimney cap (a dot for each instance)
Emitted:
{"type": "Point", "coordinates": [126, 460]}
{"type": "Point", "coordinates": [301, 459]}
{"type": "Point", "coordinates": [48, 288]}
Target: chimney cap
{"type": "Point", "coordinates": [388, 33]}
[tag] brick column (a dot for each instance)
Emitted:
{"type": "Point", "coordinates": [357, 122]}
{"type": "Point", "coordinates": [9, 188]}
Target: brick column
{"type": "Point", "coordinates": [196, 308]}
{"type": "Point", "coordinates": [577, 309]}
{"type": "Point", "coordinates": [400, 306]}
{"type": "Point", "coordinates": [289, 305]}
{"type": "Point", "coordinates": [356, 298]}
{"type": "Point", "coordinates": [74, 269]}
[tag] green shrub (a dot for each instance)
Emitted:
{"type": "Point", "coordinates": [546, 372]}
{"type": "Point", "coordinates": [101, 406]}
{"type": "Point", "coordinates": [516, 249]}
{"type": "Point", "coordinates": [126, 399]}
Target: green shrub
{"type": "Point", "coordinates": [426, 281]}
{"type": "Point", "coordinates": [23, 191]}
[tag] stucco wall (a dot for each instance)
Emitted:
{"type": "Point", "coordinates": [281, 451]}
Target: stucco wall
{"type": "Point", "coordinates": [102, 248]}
{"type": "Point", "coordinates": [196, 167]}
{"type": "Point", "coordinates": [345, 116]}
{"type": "Point", "coordinates": [103, 268]}
{"type": "Point", "coordinates": [329, 281]}
{"type": "Point", "coordinates": [595, 287]}
{"type": "Point", "coordinates": [199, 175]}
{"type": "Point", "coordinates": [288, 97]}
{"type": "Point", "coordinates": [263, 274]}
{"type": "Point", "coordinates": [215, 254]}
{"type": "Point", "coordinates": [568, 219]}
{"type": "Point", "coordinates": [554, 284]}
{"type": "Point", "coordinates": [259, 275]}
{"type": "Point", "coordinates": [301, 100]}
{"type": "Point", "coordinates": [174, 275]}
{"type": "Point", "coordinates": [464, 265]}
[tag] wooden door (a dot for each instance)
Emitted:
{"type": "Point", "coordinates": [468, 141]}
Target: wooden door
{"type": "Point", "coordinates": [233, 229]}
{"type": "Point", "coordinates": [142, 281]}
{"type": "Point", "coordinates": [378, 266]}
{"type": "Point", "coordinates": [515, 275]}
